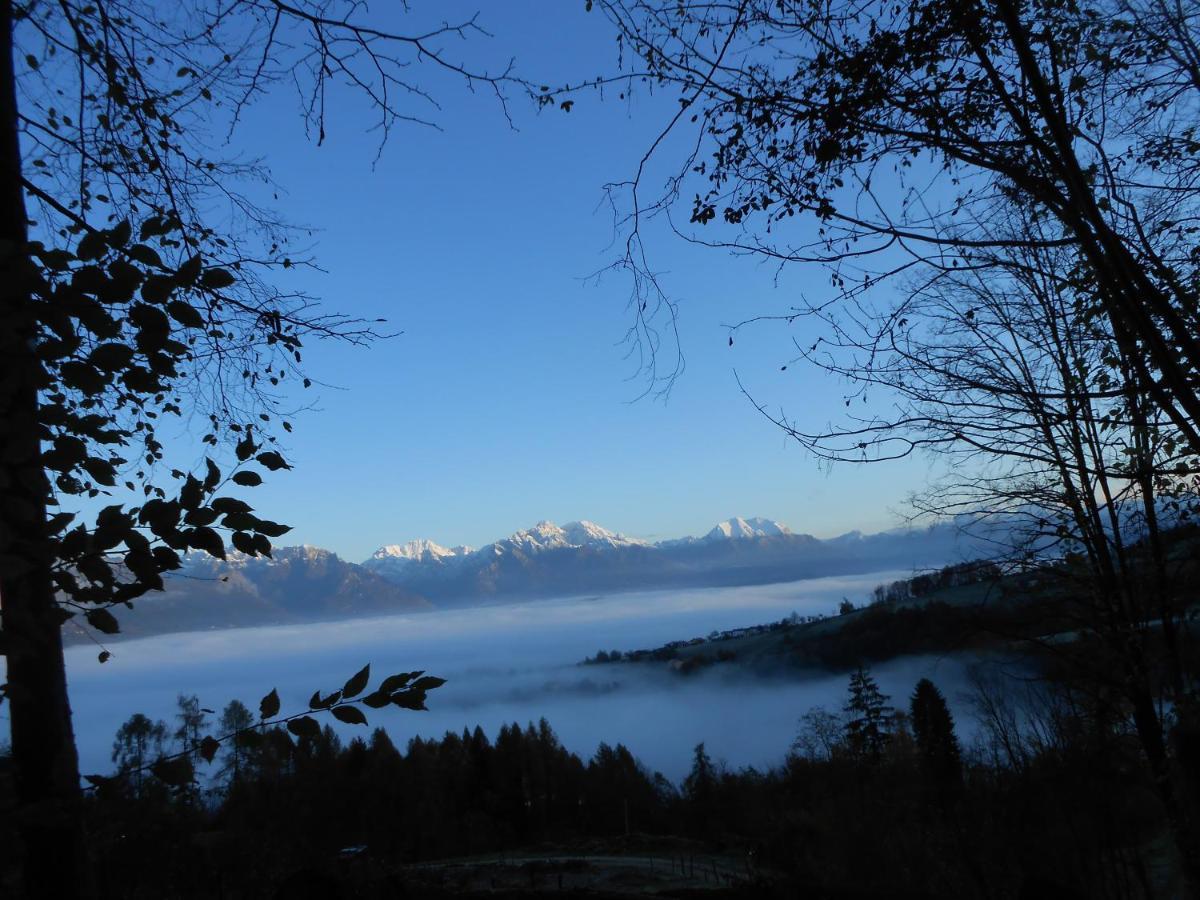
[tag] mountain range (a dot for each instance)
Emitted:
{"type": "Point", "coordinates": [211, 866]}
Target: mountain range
{"type": "Point", "coordinates": [583, 557]}
{"type": "Point", "coordinates": [299, 584]}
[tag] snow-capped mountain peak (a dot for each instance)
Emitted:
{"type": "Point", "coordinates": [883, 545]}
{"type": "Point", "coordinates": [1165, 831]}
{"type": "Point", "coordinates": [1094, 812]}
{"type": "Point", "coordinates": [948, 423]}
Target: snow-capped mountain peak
{"type": "Point", "coordinates": [418, 549]}
{"type": "Point", "coordinates": [584, 533]}
{"type": "Point", "coordinates": [738, 528]}
{"type": "Point", "coordinates": [396, 558]}
{"type": "Point", "coordinates": [547, 535]}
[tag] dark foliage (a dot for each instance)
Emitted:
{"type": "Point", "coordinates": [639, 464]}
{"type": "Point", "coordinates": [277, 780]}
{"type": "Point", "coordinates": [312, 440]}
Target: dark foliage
{"type": "Point", "coordinates": [1054, 796]}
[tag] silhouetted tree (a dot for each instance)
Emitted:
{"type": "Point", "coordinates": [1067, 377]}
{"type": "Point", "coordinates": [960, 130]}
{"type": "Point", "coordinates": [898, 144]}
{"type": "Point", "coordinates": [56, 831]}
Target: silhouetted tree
{"type": "Point", "coordinates": [701, 781]}
{"type": "Point", "coordinates": [933, 728]}
{"type": "Point", "coordinates": [821, 734]}
{"type": "Point", "coordinates": [867, 715]}
{"type": "Point", "coordinates": [236, 753]}
{"type": "Point", "coordinates": [807, 128]}
{"type": "Point", "coordinates": [138, 285]}
{"type": "Point", "coordinates": [191, 719]}
{"type": "Point", "coordinates": [1023, 173]}
{"type": "Point", "coordinates": [137, 744]}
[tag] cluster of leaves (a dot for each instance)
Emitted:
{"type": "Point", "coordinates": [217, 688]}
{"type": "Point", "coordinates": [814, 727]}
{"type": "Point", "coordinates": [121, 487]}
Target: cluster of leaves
{"type": "Point", "coordinates": [119, 332]}
{"type": "Point", "coordinates": [151, 251]}
{"type": "Point", "coordinates": [141, 311]}
{"type": "Point", "coordinates": [145, 274]}
{"type": "Point", "coordinates": [406, 690]}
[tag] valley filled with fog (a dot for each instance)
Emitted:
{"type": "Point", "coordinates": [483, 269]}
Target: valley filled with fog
{"type": "Point", "coordinates": [505, 663]}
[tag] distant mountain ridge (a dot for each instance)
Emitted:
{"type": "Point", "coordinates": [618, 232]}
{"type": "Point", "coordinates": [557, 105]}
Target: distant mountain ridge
{"type": "Point", "coordinates": [297, 584]}
{"type": "Point", "coordinates": [303, 584]}
{"type": "Point", "coordinates": [582, 557]}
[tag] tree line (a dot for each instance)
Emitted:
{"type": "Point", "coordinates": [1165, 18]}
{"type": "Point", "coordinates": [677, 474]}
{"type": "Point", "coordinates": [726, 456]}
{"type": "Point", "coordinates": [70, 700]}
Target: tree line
{"type": "Point", "coordinates": [1045, 797]}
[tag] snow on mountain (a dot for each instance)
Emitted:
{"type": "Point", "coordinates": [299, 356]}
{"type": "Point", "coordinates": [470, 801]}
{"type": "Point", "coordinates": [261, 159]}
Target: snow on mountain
{"type": "Point", "coordinates": [420, 549]}
{"type": "Point", "coordinates": [588, 534]}
{"type": "Point", "coordinates": [548, 559]}
{"type": "Point", "coordinates": [542, 536]}
{"type": "Point", "coordinates": [393, 560]}
{"type": "Point", "coordinates": [546, 535]}
{"type": "Point", "coordinates": [739, 528]}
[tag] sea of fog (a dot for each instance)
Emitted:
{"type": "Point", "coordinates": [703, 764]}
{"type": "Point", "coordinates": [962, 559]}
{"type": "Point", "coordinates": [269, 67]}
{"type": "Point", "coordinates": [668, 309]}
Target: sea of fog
{"type": "Point", "coordinates": [505, 663]}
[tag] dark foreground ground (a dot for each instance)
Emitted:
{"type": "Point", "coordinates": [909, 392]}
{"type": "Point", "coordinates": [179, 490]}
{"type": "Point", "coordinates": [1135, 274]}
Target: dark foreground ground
{"type": "Point", "coordinates": [631, 867]}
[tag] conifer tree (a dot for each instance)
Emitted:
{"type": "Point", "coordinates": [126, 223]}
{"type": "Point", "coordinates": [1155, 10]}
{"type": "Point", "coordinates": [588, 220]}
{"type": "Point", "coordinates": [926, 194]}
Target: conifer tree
{"type": "Point", "coordinates": [867, 717]}
{"type": "Point", "coordinates": [933, 727]}
{"type": "Point", "coordinates": [699, 785]}
{"type": "Point", "coordinates": [137, 742]}
{"type": "Point", "coordinates": [236, 720]}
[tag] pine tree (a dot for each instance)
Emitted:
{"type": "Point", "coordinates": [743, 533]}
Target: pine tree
{"type": "Point", "coordinates": [236, 720]}
{"type": "Point", "coordinates": [700, 783]}
{"type": "Point", "coordinates": [933, 727]}
{"type": "Point", "coordinates": [867, 712]}
{"type": "Point", "coordinates": [137, 744]}
{"type": "Point", "coordinates": [191, 718]}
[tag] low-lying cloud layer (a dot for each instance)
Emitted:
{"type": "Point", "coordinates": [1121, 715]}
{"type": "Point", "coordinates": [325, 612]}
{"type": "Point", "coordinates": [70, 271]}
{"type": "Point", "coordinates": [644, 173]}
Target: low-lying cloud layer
{"type": "Point", "coordinates": [516, 662]}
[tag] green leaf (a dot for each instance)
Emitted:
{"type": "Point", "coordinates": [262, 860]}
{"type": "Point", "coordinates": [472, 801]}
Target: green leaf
{"type": "Point", "coordinates": [410, 699]}
{"type": "Point", "coordinates": [201, 516]}
{"type": "Point", "coordinates": [91, 246]}
{"type": "Point", "coordinates": [269, 705]}
{"type": "Point", "coordinates": [357, 682]}
{"type": "Point", "coordinates": [152, 227]}
{"type": "Point", "coordinates": [83, 377]}
{"type": "Point", "coordinates": [103, 620]}
{"type": "Point", "coordinates": [157, 288]}
{"type": "Point", "coordinates": [185, 314]}
{"type": "Point", "coordinates": [377, 700]}
{"type": "Point", "coordinates": [204, 538]}
{"type": "Point", "coordinates": [272, 529]}
{"type": "Point", "coordinates": [428, 683]}
{"type": "Point", "coordinates": [90, 280]}
{"type": "Point", "coordinates": [304, 727]}
{"type": "Point", "coordinates": [119, 234]}
{"type": "Point", "coordinates": [212, 475]}
{"type": "Point", "coordinates": [123, 281]}
{"type": "Point", "coordinates": [217, 279]}
{"type": "Point", "coordinates": [240, 521]}
{"type": "Point", "coordinates": [101, 471]}
{"type": "Point", "coordinates": [111, 356]}
{"type": "Point", "coordinates": [247, 479]}
{"type": "Point", "coordinates": [189, 270]}
{"type": "Point", "coordinates": [272, 460]}
{"type": "Point", "coordinates": [245, 447]}
{"type": "Point", "coordinates": [243, 542]}
{"type": "Point", "coordinates": [147, 256]}
{"type": "Point", "coordinates": [400, 679]}
{"type": "Point", "coordinates": [191, 493]}
{"type": "Point", "coordinates": [230, 505]}
{"type": "Point", "coordinates": [209, 747]}
{"type": "Point", "coordinates": [319, 702]}
{"type": "Point", "coordinates": [175, 772]}
{"type": "Point", "coordinates": [351, 715]}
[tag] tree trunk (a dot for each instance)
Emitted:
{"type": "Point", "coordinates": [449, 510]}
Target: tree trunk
{"type": "Point", "coordinates": [43, 745]}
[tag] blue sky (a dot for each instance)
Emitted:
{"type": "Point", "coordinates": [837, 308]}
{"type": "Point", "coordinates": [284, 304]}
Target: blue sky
{"type": "Point", "coordinates": [507, 397]}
